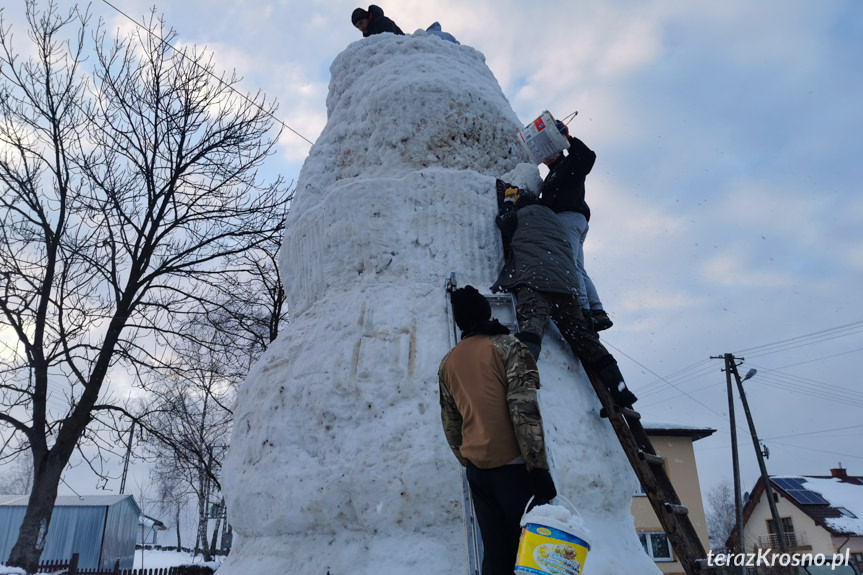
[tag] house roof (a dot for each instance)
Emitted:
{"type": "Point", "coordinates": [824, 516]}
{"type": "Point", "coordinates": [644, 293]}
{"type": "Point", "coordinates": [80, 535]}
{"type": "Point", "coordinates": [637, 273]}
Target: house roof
{"type": "Point", "coordinates": [70, 500]}
{"type": "Point", "coordinates": [834, 502]}
{"type": "Point", "coordinates": [676, 430]}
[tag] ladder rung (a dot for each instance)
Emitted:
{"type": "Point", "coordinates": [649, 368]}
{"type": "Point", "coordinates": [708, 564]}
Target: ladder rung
{"type": "Point", "coordinates": [651, 458]}
{"type": "Point", "coordinates": [498, 296]}
{"type": "Point", "coordinates": [676, 508]}
{"type": "Point", "coordinates": [629, 412]}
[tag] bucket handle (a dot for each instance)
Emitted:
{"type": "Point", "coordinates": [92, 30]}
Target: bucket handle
{"type": "Point", "coordinates": [567, 503]}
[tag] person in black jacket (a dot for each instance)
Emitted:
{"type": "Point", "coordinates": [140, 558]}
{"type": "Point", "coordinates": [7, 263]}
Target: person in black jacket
{"type": "Point", "coordinates": [563, 192]}
{"type": "Point", "coordinates": [540, 272]}
{"type": "Point", "coordinates": [373, 21]}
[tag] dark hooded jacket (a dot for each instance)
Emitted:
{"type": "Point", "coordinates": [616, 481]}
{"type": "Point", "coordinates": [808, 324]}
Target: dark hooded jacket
{"type": "Point", "coordinates": [379, 23]}
{"type": "Point", "coordinates": [539, 254]}
{"type": "Point", "coordinates": [563, 189]}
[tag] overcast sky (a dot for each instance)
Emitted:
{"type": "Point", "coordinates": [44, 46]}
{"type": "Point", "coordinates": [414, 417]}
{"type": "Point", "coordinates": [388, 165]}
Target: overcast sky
{"type": "Point", "coordinates": [725, 196]}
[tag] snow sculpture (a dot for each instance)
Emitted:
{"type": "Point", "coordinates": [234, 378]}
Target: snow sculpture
{"type": "Point", "coordinates": [338, 462]}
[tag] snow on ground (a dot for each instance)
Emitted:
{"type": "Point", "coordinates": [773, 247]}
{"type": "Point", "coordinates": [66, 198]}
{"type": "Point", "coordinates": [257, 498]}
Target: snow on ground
{"type": "Point", "coordinates": [146, 559]}
{"type": "Point", "coordinates": [159, 559]}
{"type": "Point", "coordinates": [338, 462]}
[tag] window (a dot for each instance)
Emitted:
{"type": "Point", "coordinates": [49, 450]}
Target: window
{"type": "Point", "coordinates": [846, 513]}
{"type": "Point", "coordinates": [656, 545]}
{"type": "Point", "coordinates": [787, 528]}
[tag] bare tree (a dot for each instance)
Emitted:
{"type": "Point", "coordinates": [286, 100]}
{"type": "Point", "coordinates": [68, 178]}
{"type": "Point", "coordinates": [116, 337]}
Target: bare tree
{"type": "Point", "coordinates": [172, 493]}
{"type": "Point", "coordinates": [188, 427]}
{"type": "Point", "coordinates": [128, 193]}
{"type": "Point", "coordinates": [188, 431]}
{"type": "Point", "coordinates": [721, 514]}
{"type": "Point", "coordinates": [17, 478]}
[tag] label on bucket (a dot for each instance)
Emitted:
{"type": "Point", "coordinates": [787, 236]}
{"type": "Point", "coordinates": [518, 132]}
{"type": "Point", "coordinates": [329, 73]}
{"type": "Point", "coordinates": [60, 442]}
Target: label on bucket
{"type": "Point", "coordinates": [545, 550]}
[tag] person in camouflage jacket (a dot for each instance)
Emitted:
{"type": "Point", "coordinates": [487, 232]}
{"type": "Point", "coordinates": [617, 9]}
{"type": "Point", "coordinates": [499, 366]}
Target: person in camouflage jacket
{"type": "Point", "coordinates": [492, 423]}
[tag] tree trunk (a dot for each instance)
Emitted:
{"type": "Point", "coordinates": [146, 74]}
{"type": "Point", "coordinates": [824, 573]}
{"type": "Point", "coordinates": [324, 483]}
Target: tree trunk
{"type": "Point", "coordinates": [34, 529]}
{"type": "Point", "coordinates": [201, 542]}
{"type": "Point", "coordinates": [177, 523]}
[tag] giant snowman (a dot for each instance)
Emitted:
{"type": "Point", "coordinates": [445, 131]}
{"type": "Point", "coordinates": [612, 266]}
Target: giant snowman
{"type": "Point", "coordinates": [338, 463]}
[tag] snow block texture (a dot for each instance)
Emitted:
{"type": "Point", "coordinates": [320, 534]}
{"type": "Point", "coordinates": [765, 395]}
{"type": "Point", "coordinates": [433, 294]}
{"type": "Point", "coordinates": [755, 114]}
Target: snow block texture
{"type": "Point", "coordinates": [338, 462]}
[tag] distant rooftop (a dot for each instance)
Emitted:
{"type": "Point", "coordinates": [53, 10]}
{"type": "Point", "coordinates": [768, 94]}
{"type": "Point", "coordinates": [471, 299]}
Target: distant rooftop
{"type": "Point", "coordinates": [68, 500]}
{"type": "Point", "coordinates": [676, 429]}
{"type": "Point", "coordinates": [834, 501]}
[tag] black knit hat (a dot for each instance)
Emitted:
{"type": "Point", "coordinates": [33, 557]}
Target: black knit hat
{"type": "Point", "coordinates": [358, 14]}
{"type": "Point", "coordinates": [469, 307]}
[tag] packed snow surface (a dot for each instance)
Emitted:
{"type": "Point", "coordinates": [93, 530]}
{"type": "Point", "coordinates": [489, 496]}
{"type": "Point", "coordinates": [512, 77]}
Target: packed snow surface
{"type": "Point", "coordinates": [338, 462]}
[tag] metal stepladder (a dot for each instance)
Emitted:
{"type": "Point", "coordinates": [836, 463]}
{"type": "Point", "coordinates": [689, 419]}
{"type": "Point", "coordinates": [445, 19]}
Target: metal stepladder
{"type": "Point", "coordinates": [647, 465]}
{"type": "Point", "coordinates": [503, 308]}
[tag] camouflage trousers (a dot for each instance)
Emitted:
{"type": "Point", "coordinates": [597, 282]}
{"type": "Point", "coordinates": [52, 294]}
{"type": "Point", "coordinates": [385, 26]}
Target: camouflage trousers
{"type": "Point", "coordinates": [534, 308]}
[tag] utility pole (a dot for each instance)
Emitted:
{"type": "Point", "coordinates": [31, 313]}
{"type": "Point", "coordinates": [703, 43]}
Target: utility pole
{"type": "Point", "coordinates": [738, 508]}
{"type": "Point", "coordinates": [768, 490]}
{"type": "Point", "coordinates": [126, 460]}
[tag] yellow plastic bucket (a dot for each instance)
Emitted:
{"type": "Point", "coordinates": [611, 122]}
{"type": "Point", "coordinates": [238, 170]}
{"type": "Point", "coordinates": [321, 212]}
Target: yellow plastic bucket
{"type": "Point", "coordinates": [550, 547]}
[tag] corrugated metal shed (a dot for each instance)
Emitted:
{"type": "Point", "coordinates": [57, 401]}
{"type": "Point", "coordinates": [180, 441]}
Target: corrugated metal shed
{"type": "Point", "coordinates": [100, 528]}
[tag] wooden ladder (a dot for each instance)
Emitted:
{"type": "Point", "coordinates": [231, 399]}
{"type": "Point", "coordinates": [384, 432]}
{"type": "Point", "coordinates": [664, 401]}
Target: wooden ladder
{"type": "Point", "coordinates": [650, 470]}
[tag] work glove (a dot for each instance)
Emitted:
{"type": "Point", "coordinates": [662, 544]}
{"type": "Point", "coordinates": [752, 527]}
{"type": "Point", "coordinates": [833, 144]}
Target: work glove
{"type": "Point", "coordinates": [510, 195]}
{"type": "Point", "coordinates": [542, 485]}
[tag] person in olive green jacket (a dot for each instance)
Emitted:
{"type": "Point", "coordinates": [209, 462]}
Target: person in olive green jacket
{"type": "Point", "coordinates": [492, 423]}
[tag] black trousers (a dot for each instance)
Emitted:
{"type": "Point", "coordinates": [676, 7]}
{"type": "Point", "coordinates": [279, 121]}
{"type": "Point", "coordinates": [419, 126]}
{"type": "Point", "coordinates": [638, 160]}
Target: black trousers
{"type": "Point", "coordinates": [499, 498]}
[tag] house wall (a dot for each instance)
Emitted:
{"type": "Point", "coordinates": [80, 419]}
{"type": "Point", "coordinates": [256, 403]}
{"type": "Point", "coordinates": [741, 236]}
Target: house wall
{"type": "Point", "coordinates": [680, 466]}
{"type": "Point", "coordinates": [854, 545]}
{"type": "Point", "coordinates": [809, 535]}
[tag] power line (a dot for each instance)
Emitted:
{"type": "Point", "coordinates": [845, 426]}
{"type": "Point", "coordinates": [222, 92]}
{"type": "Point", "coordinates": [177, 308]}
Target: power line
{"type": "Point", "coordinates": [813, 432]}
{"type": "Point", "coordinates": [818, 450]}
{"type": "Point", "coordinates": [804, 340]}
{"type": "Point", "coordinates": [822, 358]}
{"type": "Point", "coordinates": [230, 87]}
{"type": "Point", "coordinates": [704, 405]}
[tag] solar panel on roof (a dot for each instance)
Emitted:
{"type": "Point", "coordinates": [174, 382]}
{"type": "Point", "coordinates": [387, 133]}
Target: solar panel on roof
{"type": "Point", "coordinates": [795, 488]}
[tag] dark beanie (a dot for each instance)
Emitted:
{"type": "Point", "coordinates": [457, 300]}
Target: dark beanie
{"type": "Point", "coordinates": [358, 15]}
{"type": "Point", "coordinates": [469, 307]}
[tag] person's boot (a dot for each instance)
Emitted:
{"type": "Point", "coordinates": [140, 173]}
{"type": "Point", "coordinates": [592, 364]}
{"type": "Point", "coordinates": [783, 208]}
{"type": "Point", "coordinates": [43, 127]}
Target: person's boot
{"type": "Point", "coordinates": [622, 396]}
{"type": "Point", "coordinates": [601, 320]}
{"type": "Point", "coordinates": [610, 375]}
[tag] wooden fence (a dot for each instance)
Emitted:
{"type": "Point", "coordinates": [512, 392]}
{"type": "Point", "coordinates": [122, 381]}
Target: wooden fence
{"type": "Point", "coordinates": [71, 568]}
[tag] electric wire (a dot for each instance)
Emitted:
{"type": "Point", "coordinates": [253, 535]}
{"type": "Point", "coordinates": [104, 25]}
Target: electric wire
{"type": "Point", "coordinates": [850, 351]}
{"type": "Point", "coordinates": [808, 433]}
{"type": "Point", "coordinates": [699, 402]}
{"type": "Point", "coordinates": [195, 63]}
{"type": "Point", "coordinates": [803, 340]}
